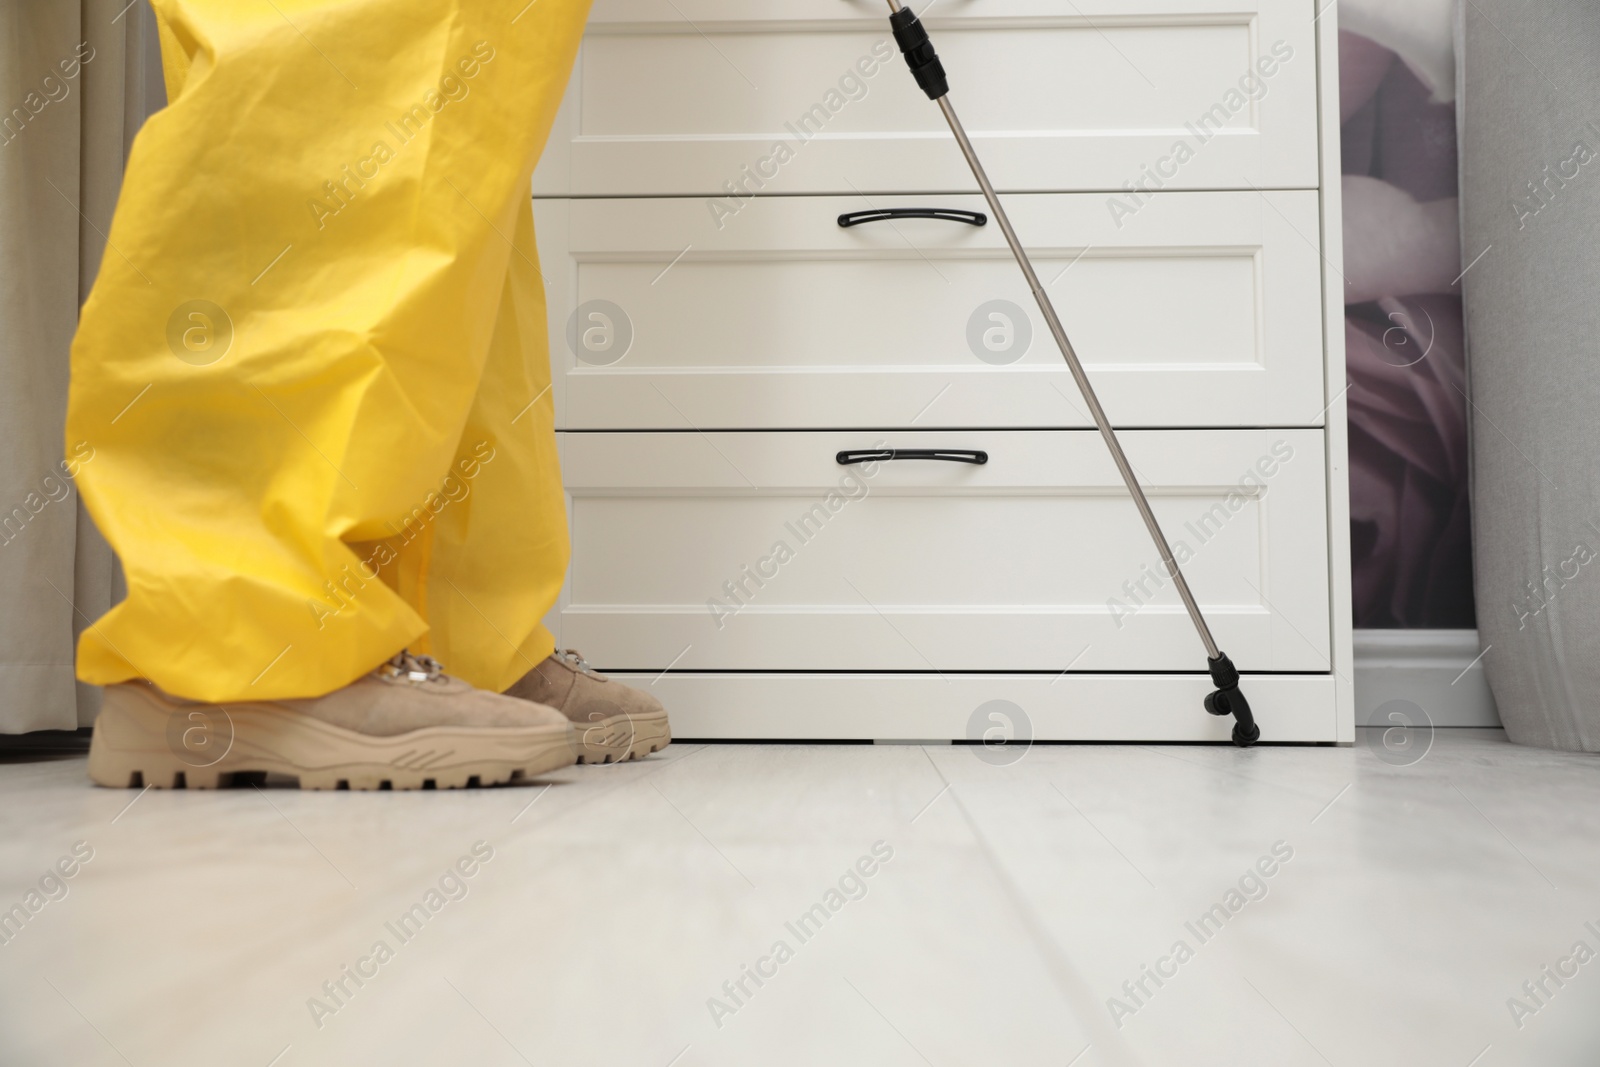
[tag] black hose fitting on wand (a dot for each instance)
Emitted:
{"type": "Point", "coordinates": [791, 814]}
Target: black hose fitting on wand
{"type": "Point", "coordinates": [919, 53]}
{"type": "Point", "coordinates": [1227, 700]}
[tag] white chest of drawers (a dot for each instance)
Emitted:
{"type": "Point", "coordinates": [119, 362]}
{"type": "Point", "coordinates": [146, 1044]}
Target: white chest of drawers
{"type": "Point", "coordinates": [719, 340]}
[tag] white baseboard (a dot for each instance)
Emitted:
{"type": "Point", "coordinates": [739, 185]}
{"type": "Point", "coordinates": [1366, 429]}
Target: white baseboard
{"type": "Point", "coordinates": [1437, 670]}
{"type": "Point", "coordinates": [924, 707]}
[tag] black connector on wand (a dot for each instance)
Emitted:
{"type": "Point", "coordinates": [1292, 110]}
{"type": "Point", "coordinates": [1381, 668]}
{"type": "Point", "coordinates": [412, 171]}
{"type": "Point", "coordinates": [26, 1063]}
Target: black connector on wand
{"type": "Point", "coordinates": [1227, 700]}
{"type": "Point", "coordinates": [919, 53]}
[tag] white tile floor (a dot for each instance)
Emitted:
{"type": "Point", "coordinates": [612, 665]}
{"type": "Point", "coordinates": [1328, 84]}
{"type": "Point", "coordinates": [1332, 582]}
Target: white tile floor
{"type": "Point", "coordinates": [1017, 901]}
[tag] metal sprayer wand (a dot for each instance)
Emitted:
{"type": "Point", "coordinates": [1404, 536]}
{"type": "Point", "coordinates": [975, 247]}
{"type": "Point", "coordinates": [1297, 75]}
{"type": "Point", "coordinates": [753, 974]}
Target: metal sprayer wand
{"type": "Point", "coordinates": [929, 73]}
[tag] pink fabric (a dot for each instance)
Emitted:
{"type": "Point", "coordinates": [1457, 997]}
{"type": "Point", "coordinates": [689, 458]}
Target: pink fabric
{"type": "Point", "coordinates": [1408, 463]}
{"type": "Point", "coordinates": [1410, 532]}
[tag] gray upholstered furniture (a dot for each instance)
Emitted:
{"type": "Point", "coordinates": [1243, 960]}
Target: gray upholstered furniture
{"type": "Point", "coordinates": [1530, 200]}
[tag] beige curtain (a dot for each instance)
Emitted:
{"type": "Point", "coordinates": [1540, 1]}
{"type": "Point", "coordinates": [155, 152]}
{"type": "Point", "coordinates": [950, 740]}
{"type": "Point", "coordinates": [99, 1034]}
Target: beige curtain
{"type": "Point", "coordinates": [77, 77]}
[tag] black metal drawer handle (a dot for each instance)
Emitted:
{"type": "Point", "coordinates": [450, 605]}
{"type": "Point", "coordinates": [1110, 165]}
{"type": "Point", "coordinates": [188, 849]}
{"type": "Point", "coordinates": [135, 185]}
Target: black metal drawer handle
{"type": "Point", "coordinates": [971, 218]}
{"type": "Point", "coordinates": [873, 455]}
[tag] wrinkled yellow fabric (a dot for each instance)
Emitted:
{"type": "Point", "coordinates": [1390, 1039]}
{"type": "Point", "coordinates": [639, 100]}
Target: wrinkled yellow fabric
{"type": "Point", "coordinates": [312, 371]}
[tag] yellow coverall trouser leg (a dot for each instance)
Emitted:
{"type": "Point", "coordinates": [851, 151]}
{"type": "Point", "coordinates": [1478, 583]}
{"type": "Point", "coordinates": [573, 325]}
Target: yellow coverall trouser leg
{"type": "Point", "coordinates": [310, 401]}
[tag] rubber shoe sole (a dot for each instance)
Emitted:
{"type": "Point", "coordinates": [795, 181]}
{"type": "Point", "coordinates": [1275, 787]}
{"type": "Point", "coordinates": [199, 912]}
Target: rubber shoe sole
{"type": "Point", "coordinates": [137, 743]}
{"type": "Point", "coordinates": [622, 737]}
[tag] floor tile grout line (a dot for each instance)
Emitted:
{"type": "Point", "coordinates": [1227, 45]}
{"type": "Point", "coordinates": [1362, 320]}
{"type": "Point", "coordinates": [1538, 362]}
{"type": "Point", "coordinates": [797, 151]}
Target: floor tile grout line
{"type": "Point", "coordinates": [1042, 941]}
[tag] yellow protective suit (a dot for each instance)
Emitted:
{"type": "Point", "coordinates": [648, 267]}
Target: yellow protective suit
{"type": "Point", "coordinates": [311, 378]}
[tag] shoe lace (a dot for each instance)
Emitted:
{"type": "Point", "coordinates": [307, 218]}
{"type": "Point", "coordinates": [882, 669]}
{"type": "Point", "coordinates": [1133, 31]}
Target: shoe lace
{"type": "Point", "coordinates": [412, 669]}
{"type": "Point", "coordinates": [574, 658]}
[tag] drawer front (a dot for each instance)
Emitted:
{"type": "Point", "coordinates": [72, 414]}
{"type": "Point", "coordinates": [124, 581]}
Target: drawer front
{"type": "Point", "coordinates": [682, 96]}
{"type": "Point", "coordinates": [758, 551]}
{"type": "Point", "coordinates": [1204, 310]}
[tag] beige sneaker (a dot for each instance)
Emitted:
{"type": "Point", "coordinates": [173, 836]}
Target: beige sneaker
{"type": "Point", "coordinates": [407, 725]}
{"type": "Point", "coordinates": [615, 722]}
